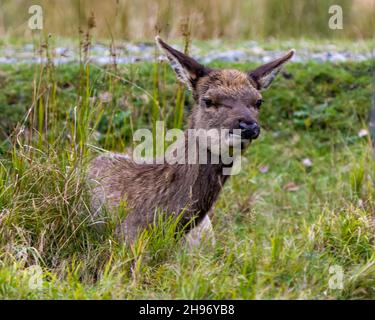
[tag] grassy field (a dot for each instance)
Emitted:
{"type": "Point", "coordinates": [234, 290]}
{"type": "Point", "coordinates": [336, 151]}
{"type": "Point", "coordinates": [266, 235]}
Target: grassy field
{"type": "Point", "coordinates": [280, 224]}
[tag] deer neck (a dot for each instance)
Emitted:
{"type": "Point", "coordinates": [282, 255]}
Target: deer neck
{"type": "Point", "coordinates": [198, 183]}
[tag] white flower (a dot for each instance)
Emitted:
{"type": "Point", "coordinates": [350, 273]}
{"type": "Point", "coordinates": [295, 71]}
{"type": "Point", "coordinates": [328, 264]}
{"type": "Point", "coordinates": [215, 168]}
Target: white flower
{"type": "Point", "coordinates": [307, 162]}
{"type": "Point", "coordinates": [362, 133]}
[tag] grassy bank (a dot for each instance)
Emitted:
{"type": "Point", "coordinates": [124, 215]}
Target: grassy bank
{"type": "Point", "coordinates": [280, 224]}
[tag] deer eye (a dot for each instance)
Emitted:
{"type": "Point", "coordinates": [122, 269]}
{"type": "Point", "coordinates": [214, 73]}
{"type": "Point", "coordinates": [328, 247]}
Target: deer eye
{"type": "Point", "coordinates": [207, 102]}
{"type": "Point", "coordinates": [258, 103]}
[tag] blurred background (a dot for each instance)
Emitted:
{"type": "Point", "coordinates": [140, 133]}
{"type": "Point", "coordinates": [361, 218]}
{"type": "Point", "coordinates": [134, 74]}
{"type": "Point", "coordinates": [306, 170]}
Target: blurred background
{"type": "Point", "coordinates": [229, 19]}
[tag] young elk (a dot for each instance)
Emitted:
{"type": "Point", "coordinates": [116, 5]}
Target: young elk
{"type": "Point", "coordinates": [225, 99]}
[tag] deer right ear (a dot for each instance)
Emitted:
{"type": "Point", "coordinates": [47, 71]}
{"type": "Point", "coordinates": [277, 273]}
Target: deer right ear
{"type": "Point", "coordinates": [187, 69]}
{"type": "Point", "coordinates": [264, 75]}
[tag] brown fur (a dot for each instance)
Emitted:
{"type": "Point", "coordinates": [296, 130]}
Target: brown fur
{"type": "Point", "coordinates": [223, 99]}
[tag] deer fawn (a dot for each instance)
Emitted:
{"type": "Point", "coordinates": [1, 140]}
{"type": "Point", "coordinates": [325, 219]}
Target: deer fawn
{"type": "Point", "coordinates": [225, 99]}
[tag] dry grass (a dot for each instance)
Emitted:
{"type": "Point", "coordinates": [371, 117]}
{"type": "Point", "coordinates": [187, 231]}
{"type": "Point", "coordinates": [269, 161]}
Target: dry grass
{"type": "Point", "coordinates": [234, 19]}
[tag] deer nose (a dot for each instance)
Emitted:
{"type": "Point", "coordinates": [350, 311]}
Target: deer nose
{"type": "Point", "coordinates": [249, 130]}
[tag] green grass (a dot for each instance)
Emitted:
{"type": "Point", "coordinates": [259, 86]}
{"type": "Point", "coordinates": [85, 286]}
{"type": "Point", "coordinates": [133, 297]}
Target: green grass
{"type": "Point", "coordinates": [278, 232]}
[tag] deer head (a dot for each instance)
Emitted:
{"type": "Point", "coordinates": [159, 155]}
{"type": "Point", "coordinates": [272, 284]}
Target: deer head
{"type": "Point", "coordinates": [225, 99]}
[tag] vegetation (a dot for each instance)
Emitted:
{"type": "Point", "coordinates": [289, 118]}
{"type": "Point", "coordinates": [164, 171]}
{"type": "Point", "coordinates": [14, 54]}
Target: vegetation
{"type": "Point", "coordinates": [234, 19]}
{"type": "Point", "coordinates": [303, 202]}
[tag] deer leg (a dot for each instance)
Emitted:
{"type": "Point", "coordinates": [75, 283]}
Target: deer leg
{"type": "Point", "coordinates": [202, 233]}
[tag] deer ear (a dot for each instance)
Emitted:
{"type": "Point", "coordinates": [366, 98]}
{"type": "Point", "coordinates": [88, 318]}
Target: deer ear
{"type": "Point", "coordinates": [187, 69]}
{"type": "Point", "coordinates": [264, 75]}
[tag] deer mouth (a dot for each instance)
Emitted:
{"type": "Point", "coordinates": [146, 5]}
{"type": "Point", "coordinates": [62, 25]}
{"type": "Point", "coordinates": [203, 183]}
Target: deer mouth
{"type": "Point", "coordinates": [236, 140]}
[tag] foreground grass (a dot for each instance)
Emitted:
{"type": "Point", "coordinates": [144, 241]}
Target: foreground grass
{"type": "Point", "coordinates": [280, 224]}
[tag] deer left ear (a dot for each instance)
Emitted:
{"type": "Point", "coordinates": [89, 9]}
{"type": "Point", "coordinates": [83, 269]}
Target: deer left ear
{"type": "Point", "coordinates": [264, 75]}
{"type": "Point", "coordinates": [187, 69]}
